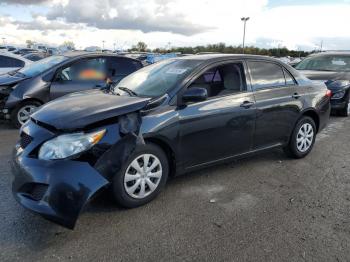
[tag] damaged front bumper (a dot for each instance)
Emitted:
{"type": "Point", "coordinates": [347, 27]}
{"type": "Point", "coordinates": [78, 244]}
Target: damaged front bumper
{"type": "Point", "coordinates": [59, 189]}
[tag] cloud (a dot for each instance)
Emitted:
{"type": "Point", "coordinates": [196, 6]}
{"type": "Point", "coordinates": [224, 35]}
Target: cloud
{"type": "Point", "coordinates": [5, 20]}
{"type": "Point", "coordinates": [41, 23]}
{"type": "Point", "coordinates": [23, 2]}
{"type": "Point", "coordinates": [180, 22]}
{"type": "Point", "coordinates": [144, 15]}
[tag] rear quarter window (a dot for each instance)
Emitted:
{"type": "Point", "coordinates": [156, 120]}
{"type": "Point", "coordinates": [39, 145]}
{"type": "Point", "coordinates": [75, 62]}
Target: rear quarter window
{"type": "Point", "coordinates": [289, 79]}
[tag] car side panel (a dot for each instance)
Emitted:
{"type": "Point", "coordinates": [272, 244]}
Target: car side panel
{"type": "Point", "coordinates": [216, 128]}
{"type": "Point", "coordinates": [277, 112]}
{"type": "Point", "coordinates": [313, 98]}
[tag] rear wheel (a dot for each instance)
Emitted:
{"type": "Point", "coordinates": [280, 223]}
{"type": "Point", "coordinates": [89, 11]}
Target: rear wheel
{"type": "Point", "coordinates": [23, 112]}
{"type": "Point", "coordinates": [302, 139]}
{"type": "Point", "coordinates": [142, 177]}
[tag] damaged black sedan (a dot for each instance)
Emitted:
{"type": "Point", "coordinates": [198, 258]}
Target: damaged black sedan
{"type": "Point", "coordinates": [168, 118]}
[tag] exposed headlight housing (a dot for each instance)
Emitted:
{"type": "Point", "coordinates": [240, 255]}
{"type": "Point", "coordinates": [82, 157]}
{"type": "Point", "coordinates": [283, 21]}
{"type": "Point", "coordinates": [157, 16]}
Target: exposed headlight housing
{"type": "Point", "coordinates": [338, 95]}
{"type": "Point", "coordinates": [68, 145]}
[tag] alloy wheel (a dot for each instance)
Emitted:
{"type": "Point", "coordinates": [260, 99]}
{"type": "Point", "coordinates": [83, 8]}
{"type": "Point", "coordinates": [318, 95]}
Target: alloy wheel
{"type": "Point", "coordinates": [142, 176]}
{"type": "Point", "coordinates": [24, 113]}
{"type": "Point", "coordinates": [305, 137]}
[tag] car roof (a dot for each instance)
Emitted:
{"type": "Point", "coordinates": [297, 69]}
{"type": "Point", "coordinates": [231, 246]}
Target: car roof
{"type": "Point", "coordinates": [219, 57]}
{"type": "Point", "coordinates": [82, 54]}
{"type": "Point", "coordinates": [331, 53]}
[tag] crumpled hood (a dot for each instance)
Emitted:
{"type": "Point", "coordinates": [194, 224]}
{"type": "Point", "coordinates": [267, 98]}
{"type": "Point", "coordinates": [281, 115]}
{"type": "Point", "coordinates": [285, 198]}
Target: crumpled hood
{"type": "Point", "coordinates": [7, 79]}
{"type": "Point", "coordinates": [78, 110]}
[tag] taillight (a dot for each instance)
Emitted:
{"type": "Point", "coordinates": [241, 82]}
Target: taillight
{"type": "Point", "coordinates": [329, 93]}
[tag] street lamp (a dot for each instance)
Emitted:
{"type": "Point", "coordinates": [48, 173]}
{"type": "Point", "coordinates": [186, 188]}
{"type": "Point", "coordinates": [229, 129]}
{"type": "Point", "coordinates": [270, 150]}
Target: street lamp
{"type": "Point", "coordinates": [244, 20]}
{"type": "Point", "coordinates": [103, 44]}
{"type": "Point", "coordinates": [3, 40]}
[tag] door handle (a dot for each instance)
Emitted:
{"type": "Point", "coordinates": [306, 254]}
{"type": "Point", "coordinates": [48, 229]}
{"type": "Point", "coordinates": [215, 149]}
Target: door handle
{"type": "Point", "coordinates": [296, 95]}
{"type": "Point", "coordinates": [247, 104]}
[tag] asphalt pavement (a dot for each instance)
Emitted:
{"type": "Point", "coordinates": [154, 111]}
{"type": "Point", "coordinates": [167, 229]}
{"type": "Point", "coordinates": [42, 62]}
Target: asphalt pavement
{"type": "Point", "coordinates": [265, 208]}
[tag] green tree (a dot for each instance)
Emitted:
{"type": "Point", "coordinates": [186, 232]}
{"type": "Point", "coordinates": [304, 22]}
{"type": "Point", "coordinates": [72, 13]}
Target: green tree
{"type": "Point", "coordinates": [29, 43]}
{"type": "Point", "coordinates": [69, 45]}
{"type": "Point", "coordinates": [141, 47]}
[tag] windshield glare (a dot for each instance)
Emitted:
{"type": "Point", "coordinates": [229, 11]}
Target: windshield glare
{"type": "Point", "coordinates": [157, 79]}
{"type": "Point", "coordinates": [41, 65]}
{"type": "Point", "coordinates": [325, 63]}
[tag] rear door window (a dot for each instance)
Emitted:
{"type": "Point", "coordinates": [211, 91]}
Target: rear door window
{"type": "Point", "coordinates": [266, 75]}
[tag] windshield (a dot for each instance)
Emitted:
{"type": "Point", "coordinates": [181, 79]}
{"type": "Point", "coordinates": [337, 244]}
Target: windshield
{"type": "Point", "coordinates": [325, 63]}
{"type": "Point", "coordinates": [155, 80]}
{"type": "Point", "coordinates": [41, 65]}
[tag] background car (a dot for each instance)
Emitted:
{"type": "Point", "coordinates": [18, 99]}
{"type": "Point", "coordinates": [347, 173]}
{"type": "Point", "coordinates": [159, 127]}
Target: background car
{"type": "Point", "coordinates": [169, 118]}
{"type": "Point", "coordinates": [332, 68]}
{"type": "Point", "coordinates": [36, 56]}
{"type": "Point", "coordinates": [24, 51]}
{"type": "Point", "coordinates": [23, 91]}
{"type": "Point", "coordinates": [10, 62]}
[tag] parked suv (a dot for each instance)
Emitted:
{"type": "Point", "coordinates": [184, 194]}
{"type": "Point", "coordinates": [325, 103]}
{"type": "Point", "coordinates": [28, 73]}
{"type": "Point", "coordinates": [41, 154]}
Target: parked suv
{"type": "Point", "coordinates": [24, 90]}
{"type": "Point", "coordinates": [168, 118]}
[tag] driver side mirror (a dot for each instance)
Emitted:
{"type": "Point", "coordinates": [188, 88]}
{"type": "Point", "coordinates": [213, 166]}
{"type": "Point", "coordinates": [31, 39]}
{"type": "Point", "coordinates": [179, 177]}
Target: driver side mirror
{"type": "Point", "coordinates": [195, 94]}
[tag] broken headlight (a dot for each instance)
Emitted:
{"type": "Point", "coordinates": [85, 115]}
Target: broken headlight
{"type": "Point", "coordinates": [68, 145]}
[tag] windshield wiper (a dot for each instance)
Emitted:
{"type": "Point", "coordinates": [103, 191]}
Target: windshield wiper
{"type": "Point", "coordinates": [129, 91]}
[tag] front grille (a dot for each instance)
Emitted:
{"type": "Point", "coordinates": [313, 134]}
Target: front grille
{"type": "Point", "coordinates": [38, 191]}
{"type": "Point", "coordinates": [34, 191]}
{"type": "Point", "coordinates": [25, 140]}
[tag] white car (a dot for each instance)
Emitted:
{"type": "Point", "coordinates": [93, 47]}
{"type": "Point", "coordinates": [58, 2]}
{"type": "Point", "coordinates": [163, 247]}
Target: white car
{"type": "Point", "coordinates": [10, 62]}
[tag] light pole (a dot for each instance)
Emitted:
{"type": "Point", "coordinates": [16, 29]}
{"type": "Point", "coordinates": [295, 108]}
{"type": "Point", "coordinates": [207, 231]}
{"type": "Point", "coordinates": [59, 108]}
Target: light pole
{"type": "Point", "coordinates": [244, 20]}
{"type": "Point", "coordinates": [103, 44]}
{"type": "Point", "coordinates": [3, 40]}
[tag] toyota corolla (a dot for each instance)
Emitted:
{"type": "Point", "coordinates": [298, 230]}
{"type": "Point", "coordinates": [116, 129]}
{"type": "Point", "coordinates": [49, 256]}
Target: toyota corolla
{"type": "Point", "coordinates": [166, 119]}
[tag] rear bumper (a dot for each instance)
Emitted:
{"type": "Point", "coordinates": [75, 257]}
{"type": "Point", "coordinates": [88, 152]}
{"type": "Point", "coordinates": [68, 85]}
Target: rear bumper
{"type": "Point", "coordinates": [324, 114]}
{"type": "Point", "coordinates": [338, 103]}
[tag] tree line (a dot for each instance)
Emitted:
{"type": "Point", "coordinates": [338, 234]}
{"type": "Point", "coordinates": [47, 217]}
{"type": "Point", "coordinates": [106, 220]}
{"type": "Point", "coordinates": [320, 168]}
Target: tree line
{"type": "Point", "coordinates": [223, 48]}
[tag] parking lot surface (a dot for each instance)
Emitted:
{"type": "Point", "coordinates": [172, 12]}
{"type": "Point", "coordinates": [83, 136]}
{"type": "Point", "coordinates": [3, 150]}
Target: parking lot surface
{"type": "Point", "coordinates": [265, 208]}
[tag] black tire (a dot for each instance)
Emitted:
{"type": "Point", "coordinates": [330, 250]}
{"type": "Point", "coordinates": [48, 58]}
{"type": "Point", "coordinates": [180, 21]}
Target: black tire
{"type": "Point", "coordinates": [344, 111]}
{"type": "Point", "coordinates": [14, 114]}
{"type": "Point", "coordinates": [292, 149]}
{"type": "Point", "coordinates": [118, 190]}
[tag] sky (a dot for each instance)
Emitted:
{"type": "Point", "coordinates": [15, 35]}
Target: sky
{"type": "Point", "coordinates": [295, 24]}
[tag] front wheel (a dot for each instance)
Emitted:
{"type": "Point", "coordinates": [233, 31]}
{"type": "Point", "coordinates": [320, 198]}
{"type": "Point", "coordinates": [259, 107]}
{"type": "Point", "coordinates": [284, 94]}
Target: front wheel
{"type": "Point", "coordinates": [302, 139]}
{"type": "Point", "coordinates": [142, 177]}
{"type": "Point", "coordinates": [22, 112]}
